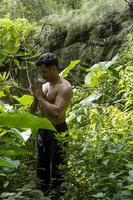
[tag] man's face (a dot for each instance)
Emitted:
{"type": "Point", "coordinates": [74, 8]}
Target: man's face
{"type": "Point", "coordinates": [45, 72]}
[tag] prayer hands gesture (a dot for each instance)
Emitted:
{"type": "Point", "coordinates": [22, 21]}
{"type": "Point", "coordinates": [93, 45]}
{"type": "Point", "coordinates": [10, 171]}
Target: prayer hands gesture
{"type": "Point", "coordinates": [36, 90]}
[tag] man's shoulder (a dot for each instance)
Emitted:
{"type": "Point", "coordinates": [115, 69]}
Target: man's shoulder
{"type": "Point", "coordinates": [66, 84]}
{"type": "Point", "coordinates": [65, 87]}
{"type": "Point", "coordinates": [66, 81]}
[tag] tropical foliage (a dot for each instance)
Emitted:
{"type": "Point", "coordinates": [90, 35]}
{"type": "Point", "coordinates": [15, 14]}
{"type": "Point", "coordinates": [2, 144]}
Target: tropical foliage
{"type": "Point", "coordinates": [98, 155]}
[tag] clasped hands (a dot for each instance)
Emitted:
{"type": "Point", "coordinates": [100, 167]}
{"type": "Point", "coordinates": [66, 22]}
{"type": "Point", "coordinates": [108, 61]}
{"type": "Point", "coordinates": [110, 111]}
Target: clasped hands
{"type": "Point", "coordinates": [37, 91]}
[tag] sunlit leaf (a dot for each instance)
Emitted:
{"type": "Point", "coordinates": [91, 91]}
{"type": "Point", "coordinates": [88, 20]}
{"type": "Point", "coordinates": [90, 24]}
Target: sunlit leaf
{"type": "Point", "coordinates": [129, 187]}
{"type": "Point", "coordinates": [131, 173]}
{"type": "Point", "coordinates": [25, 99]}
{"type": "Point", "coordinates": [24, 120]}
{"type": "Point", "coordinates": [105, 162]}
{"type": "Point", "coordinates": [112, 151]}
{"type": "Point", "coordinates": [14, 151]}
{"type": "Point", "coordinates": [1, 94]}
{"type": "Point", "coordinates": [66, 71]}
{"type": "Point", "coordinates": [98, 195]}
{"type": "Point", "coordinates": [9, 163]}
{"type": "Point", "coordinates": [91, 98]}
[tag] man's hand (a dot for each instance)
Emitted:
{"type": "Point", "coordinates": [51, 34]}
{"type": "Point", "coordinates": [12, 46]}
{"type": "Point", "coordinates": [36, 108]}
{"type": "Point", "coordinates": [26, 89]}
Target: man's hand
{"type": "Point", "coordinates": [37, 90]}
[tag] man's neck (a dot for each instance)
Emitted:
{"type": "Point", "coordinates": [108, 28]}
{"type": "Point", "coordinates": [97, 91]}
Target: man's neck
{"type": "Point", "coordinates": [55, 79]}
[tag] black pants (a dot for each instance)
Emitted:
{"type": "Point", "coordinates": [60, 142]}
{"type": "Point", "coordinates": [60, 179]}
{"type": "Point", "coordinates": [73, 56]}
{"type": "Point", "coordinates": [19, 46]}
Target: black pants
{"type": "Point", "coordinates": [49, 157]}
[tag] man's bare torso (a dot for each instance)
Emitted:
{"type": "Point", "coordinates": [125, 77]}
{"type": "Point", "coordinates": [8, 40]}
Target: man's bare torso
{"type": "Point", "coordinates": [51, 92]}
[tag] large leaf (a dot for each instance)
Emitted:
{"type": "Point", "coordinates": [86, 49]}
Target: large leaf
{"type": "Point", "coordinates": [24, 120]}
{"type": "Point", "coordinates": [98, 195]}
{"type": "Point", "coordinates": [2, 132]}
{"type": "Point", "coordinates": [14, 151]}
{"type": "Point", "coordinates": [66, 71]}
{"type": "Point", "coordinates": [25, 99]}
{"type": "Point", "coordinates": [9, 163]}
{"type": "Point", "coordinates": [91, 98]}
{"type": "Point", "coordinates": [129, 187]}
{"type": "Point", "coordinates": [24, 135]}
{"type": "Point", "coordinates": [1, 94]}
{"type": "Point", "coordinates": [96, 71]}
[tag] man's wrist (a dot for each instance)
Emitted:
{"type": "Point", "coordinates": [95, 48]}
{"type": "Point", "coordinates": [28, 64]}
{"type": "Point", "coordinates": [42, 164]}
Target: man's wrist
{"type": "Point", "coordinates": [35, 99]}
{"type": "Point", "coordinates": [40, 98]}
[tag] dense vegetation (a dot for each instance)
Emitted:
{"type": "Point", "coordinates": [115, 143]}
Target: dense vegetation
{"type": "Point", "coordinates": [100, 151]}
{"type": "Point", "coordinates": [100, 142]}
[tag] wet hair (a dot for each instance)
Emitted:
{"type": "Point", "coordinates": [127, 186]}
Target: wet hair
{"type": "Point", "coordinates": [47, 59]}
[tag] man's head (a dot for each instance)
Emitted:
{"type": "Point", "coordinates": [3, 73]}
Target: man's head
{"type": "Point", "coordinates": [47, 65]}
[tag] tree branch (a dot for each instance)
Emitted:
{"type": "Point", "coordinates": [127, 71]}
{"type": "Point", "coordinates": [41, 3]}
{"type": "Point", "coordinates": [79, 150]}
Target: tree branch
{"type": "Point", "coordinates": [28, 7]}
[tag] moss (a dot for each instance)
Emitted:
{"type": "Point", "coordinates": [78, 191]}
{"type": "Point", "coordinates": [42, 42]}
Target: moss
{"type": "Point", "coordinates": [93, 33]}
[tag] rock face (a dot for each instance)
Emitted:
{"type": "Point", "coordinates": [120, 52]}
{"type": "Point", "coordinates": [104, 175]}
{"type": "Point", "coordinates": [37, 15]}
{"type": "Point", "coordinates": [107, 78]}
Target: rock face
{"type": "Point", "coordinates": [90, 42]}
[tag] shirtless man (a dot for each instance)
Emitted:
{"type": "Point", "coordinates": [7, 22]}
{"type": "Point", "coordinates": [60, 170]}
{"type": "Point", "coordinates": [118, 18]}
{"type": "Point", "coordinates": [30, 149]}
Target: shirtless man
{"type": "Point", "coordinates": [52, 99]}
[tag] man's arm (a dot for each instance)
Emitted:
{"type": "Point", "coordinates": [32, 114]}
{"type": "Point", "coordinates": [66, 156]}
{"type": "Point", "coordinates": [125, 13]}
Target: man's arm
{"type": "Point", "coordinates": [36, 90]}
{"type": "Point", "coordinates": [34, 106]}
{"type": "Point", "coordinates": [55, 109]}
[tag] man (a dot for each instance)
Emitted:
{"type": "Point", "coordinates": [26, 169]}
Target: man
{"type": "Point", "coordinates": [51, 99]}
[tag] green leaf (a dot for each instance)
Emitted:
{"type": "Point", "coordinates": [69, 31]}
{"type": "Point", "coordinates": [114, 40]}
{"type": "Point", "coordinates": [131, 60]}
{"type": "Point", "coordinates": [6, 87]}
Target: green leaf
{"type": "Point", "coordinates": [100, 65]}
{"type": "Point", "coordinates": [25, 99]}
{"type": "Point", "coordinates": [7, 194]}
{"type": "Point", "coordinates": [96, 71]}
{"type": "Point", "coordinates": [98, 195]}
{"type": "Point", "coordinates": [131, 173]}
{"type": "Point", "coordinates": [2, 132]}
{"type": "Point", "coordinates": [91, 98]}
{"type": "Point", "coordinates": [105, 162]}
{"type": "Point", "coordinates": [1, 94]}
{"type": "Point", "coordinates": [17, 133]}
{"type": "Point", "coordinates": [92, 78]}
{"type": "Point", "coordinates": [14, 151]}
{"type": "Point", "coordinates": [129, 186]}
{"type": "Point", "coordinates": [24, 120]}
{"type": "Point", "coordinates": [126, 192]}
{"type": "Point", "coordinates": [130, 68]}
{"type": "Point", "coordinates": [66, 71]}
{"type": "Point", "coordinates": [112, 151]}
{"type": "Point", "coordinates": [129, 165]}
{"type": "Point", "coordinates": [24, 135]}
{"type": "Point", "coordinates": [9, 163]}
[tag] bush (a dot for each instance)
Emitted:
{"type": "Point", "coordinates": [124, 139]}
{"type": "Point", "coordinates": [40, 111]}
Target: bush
{"type": "Point", "coordinates": [99, 153]}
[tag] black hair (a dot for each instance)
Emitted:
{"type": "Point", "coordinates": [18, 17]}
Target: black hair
{"type": "Point", "coordinates": [47, 59]}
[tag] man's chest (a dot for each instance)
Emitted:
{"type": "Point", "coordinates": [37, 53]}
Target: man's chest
{"type": "Point", "coordinates": [50, 93]}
